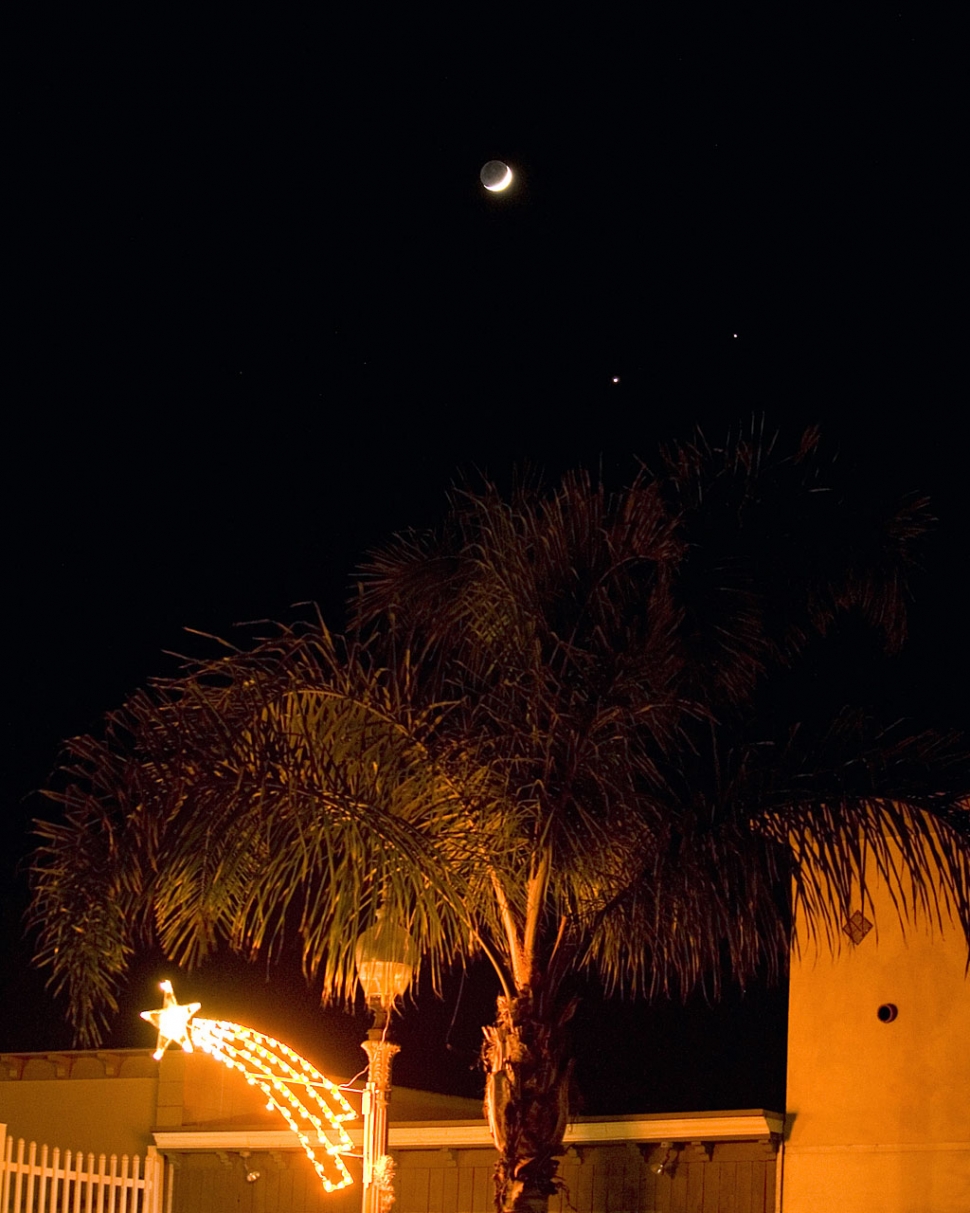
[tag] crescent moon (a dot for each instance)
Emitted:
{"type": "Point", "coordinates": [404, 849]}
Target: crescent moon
{"type": "Point", "coordinates": [503, 184]}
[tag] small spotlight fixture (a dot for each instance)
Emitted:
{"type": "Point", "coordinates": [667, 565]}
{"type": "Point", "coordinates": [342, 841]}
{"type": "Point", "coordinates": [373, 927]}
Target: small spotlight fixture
{"type": "Point", "coordinates": [664, 1165]}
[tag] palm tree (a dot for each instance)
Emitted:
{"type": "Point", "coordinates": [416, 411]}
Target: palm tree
{"type": "Point", "coordinates": [561, 738]}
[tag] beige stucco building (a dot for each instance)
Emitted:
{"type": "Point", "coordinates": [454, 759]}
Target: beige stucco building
{"type": "Point", "coordinates": [879, 1069]}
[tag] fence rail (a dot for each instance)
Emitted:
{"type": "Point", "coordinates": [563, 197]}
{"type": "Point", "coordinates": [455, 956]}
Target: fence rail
{"type": "Point", "coordinates": [38, 1179]}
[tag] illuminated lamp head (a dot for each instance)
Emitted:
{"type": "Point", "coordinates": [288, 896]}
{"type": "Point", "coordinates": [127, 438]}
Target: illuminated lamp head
{"type": "Point", "coordinates": [386, 956]}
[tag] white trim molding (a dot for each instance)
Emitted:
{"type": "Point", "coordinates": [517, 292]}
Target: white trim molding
{"type": "Point", "coordinates": [455, 1134]}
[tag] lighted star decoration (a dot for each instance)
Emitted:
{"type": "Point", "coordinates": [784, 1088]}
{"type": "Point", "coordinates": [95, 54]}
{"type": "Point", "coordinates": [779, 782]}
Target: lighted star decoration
{"type": "Point", "coordinates": [172, 1021]}
{"type": "Point", "coordinates": [291, 1084]}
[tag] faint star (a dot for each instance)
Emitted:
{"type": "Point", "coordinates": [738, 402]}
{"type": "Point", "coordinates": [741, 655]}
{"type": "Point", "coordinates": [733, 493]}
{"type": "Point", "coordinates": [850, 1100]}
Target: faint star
{"type": "Point", "coordinates": [172, 1021]}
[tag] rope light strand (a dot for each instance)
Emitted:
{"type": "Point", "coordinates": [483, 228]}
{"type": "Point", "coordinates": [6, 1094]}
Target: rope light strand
{"type": "Point", "coordinates": [313, 1107]}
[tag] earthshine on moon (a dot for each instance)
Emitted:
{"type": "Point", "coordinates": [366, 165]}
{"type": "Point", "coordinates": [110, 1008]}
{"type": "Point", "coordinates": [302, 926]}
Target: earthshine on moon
{"type": "Point", "coordinates": [496, 176]}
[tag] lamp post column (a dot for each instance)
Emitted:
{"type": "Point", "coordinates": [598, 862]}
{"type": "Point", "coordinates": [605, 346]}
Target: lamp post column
{"type": "Point", "coordinates": [378, 1195]}
{"type": "Point", "coordinates": [385, 957]}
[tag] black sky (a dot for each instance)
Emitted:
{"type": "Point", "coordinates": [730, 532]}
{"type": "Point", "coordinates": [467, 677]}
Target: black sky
{"type": "Point", "coordinates": [263, 315]}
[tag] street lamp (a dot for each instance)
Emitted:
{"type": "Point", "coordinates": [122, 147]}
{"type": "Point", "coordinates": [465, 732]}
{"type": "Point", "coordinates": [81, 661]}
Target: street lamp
{"type": "Point", "coordinates": [385, 958]}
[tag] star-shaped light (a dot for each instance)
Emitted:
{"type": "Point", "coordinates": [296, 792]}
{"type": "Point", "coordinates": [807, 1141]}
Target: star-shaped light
{"type": "Point", "coordinates": [313, 1107]}
{"type": "Point", "coordinates": [172, 1021]}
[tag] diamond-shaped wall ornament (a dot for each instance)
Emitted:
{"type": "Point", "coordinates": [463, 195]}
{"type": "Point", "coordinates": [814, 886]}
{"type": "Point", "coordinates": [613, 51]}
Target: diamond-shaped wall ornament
{"type": "Point", "coordinates": [858, 927]}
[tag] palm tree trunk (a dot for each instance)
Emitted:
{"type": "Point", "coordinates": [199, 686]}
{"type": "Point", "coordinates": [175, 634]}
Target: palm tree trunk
{"type": "Point", "coordinates": [526, 1101]}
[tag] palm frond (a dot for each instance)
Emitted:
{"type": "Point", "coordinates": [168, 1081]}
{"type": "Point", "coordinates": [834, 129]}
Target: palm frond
{"type": "Point", "coordinates": [265, 794]}
{"type": "Point", "coordinates": [608, 652]}
{"type": "Point", "coordinates": [552, 739]}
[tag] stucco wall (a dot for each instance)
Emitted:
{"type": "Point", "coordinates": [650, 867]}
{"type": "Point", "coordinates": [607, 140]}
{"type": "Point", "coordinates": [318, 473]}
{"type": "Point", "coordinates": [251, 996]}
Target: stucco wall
{"type": "Point", "coordinates": [879, 1112]}
{"type": "Point", "coordinates": [88, 1103]}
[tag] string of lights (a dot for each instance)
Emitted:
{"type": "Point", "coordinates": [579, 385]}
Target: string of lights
{"type": "Point", "coordinates": [289, 1082]}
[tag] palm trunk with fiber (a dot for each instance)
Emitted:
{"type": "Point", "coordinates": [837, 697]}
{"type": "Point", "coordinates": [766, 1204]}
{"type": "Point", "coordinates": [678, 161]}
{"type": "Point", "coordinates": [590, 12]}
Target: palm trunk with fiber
{"type": "Point", "coordinates": [526, 1101]}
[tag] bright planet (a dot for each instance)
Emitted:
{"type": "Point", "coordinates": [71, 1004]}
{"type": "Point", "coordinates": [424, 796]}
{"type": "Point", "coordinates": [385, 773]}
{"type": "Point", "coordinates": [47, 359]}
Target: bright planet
{"type": "Point", "coordinates": [496, 175]}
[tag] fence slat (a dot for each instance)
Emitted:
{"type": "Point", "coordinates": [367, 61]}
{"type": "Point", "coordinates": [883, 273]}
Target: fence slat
{"type": "Point", "coordinates": [112, 1190]}
{"type": "Point", "coordinates": [157, 1180]}
{"type": "Point", "coordinates": [31, 1172]}
{"type": "Point", "coordinates": [151, 1196]}
{"type": "Point", "coordinates": [89, 1191]}
{"type": "Point", "coordinates": [44, 1175]}
{"type": "Point", "coordinates": [48, 1178]}
{"type": "Point", "coordinates": [6, 1155]}
{"type": "Point", "coordinates": [135, 1185]}
{"type": "Point", "coordinates": [78, 1170]}
{"type": "Point", "coordinates": [123, 1190]}
{"type": "Point", "coordinates": [18, 1187]}
{"type": "Point", "coordinates": [102, 1180]}
{"type": "Point", "coordinates": [66, 1189]}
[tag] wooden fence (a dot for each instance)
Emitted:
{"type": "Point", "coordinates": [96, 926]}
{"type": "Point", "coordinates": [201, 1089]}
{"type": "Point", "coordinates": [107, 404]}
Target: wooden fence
{"type": "Point", "coordinates": [66, 1182]}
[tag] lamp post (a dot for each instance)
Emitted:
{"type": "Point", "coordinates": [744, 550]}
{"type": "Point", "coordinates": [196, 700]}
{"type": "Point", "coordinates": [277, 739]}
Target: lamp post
{"type": "Point", "coordinates": [385, 958]}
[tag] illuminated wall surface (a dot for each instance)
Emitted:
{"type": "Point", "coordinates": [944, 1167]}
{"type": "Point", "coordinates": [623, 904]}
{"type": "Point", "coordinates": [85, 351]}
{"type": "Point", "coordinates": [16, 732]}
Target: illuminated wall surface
{"type": "Point", "coordinates": [81, 1101]}
{"type": "Point", "coordinates": [879, 1108]}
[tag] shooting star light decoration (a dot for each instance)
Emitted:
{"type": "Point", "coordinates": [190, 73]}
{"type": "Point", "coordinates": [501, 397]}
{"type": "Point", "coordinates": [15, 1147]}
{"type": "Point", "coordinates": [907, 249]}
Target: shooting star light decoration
{"type": "Point", "coordinates": [289, 1082]}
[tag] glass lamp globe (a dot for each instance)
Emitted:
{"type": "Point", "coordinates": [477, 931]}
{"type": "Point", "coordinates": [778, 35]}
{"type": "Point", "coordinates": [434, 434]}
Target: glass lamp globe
{"type": "Point", "coordinates": [385, 956]}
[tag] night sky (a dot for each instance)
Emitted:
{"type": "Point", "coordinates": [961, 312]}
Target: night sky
{"type": "Point", "coordinates": [262, 314]}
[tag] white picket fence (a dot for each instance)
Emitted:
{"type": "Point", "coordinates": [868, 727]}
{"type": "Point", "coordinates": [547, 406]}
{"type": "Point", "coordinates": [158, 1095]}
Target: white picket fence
{"type": "Point", "coordinates": [42, 1180]}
